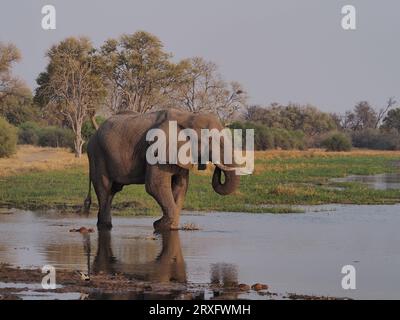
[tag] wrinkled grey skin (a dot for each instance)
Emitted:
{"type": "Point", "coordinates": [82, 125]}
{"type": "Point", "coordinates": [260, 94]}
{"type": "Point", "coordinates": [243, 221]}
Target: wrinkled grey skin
{"type": "Point", "coordinates": [117, 157]}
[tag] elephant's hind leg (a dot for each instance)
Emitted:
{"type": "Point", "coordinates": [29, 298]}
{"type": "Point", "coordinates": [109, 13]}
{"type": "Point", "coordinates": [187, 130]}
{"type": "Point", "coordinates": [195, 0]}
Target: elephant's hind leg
{"type": "Point", "coordinates": [105, 194]}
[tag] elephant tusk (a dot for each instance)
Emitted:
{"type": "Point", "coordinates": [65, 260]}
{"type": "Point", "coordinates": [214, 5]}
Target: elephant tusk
{"type": "Point", "coordinates": [224, 167]}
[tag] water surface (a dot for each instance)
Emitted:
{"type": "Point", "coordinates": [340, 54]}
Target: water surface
{"type": "Point", "coordinates": [298, 253]}
{"type": "Point", "coordinates": [383, 181]}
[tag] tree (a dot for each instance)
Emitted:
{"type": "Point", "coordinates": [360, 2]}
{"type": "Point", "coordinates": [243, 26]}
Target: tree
{"type": "Point", "coordinates": [254, 113]}
{"type": "Point", "coordinates": [139, 74]}
{"type": "Point", "coordinates": [364, 116]}
{"type": "Point", "coordinates": [337, 141]}
{"type": "Point", "coordinates": [292, 117]}
{"type": "Point", "coordinates": [71, 84]}
{"type": "Point", "coordinates": [9, 54]}
{"type": "Point", "coordinates": [384, 111]}
{"type": "Point", "coordinates": [8, 138]}
{"type": "Point", "coordinates": [203, 90]}
{"type": "Point", "coordinates": [18, 107]}
{"type": "Point", "coordinates": [16, 104]}
{"type": "Point", "coordinates": [392, 120]}
{"type": "Point", "coordinates": [337, 119]}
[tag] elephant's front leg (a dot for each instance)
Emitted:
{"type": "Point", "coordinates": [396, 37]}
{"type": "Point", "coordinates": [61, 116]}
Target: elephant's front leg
{"type": "Point", "coordinates": [179, 183]}
{"type": "Point", "coordinates": [168, 188]}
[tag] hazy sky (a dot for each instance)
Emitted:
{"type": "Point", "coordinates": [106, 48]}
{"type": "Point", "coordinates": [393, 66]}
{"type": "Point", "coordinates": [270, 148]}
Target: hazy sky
{"type": "Point", "coordinates": [280, 50]}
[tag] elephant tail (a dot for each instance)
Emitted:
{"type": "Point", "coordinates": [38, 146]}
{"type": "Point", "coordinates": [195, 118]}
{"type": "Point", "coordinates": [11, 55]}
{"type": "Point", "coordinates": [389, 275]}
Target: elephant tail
{"type": "Point", "coordinates": [88, 201]}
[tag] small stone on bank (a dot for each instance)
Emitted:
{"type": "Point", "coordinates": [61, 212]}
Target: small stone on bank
{"type": "Point", "coordinates": [259, 286]}
{"type": "Point", "coordinates": [244, 287]}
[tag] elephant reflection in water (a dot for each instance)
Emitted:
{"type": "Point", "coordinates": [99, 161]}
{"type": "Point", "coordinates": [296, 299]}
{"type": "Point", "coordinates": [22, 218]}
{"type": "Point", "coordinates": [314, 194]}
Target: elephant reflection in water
{"type": "Point", "coordinates": [224, 274]}
{"type": "Point", "coordinates": [168, 266]}
{"type": "Point", "coordinates": [224, 279]}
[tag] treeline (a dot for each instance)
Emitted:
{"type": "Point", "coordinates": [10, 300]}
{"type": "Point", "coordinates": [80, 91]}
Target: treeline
{"type": "Point", "coordinates": [135, 73]}
{"type": "Point", "coordinates": [362, 127]}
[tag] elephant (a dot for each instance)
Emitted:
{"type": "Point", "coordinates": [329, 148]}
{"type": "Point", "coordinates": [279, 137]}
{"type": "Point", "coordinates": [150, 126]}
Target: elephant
{"type": "Point", "coordinates": [117, 157]}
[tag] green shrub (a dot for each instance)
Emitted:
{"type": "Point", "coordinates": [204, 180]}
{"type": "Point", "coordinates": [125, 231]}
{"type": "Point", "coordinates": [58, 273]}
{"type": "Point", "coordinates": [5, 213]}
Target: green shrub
{"type": "Point", "coordinates": [288, 139]}
{"type": "Point", "coordinates": [376, 139]}
{"type": "Point", "coordinates": [336, 141]}
{"type": "Point", "coordinates": [88, 130]}
{"type": "Point", "coordinates": [8, 138]}
{"type": "Point", "coordinates": [56, 137]}
{"type": "Point", "coordinates": [28, 133]}
{"type": "Point", "coordinates": [32, 133]}
{"type": "Point", "coordinates": [271, 138]}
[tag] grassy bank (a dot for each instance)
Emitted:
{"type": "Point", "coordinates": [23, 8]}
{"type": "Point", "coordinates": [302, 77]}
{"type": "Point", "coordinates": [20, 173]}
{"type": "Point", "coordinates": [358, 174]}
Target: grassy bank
{"type": "Point", "coordinates": [282, 179]}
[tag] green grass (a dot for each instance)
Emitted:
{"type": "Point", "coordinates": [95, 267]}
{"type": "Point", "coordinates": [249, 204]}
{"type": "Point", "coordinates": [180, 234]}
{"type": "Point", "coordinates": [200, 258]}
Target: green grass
{"type": "Point", "coordinates": [278, 184]}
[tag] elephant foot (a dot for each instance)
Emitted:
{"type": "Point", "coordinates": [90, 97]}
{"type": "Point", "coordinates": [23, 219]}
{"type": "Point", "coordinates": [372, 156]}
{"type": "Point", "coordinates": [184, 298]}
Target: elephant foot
{"type": "Point", "coordinates": [164, 224]}
{"type": "Point", "coordinates": [104, 226]}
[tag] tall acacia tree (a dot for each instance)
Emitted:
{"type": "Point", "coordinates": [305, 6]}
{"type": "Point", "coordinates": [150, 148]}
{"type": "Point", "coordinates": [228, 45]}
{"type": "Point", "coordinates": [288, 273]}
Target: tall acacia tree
{"type": "Point", "coordinates": [9, 85]}
{"type": "Point", "coordinates": [15, 97]}
{"type": "Point", "coordinates": [204, 90]}
{"type": "Point", "coordinates": [139, 74]}
{"type": "Point", "coordinates": [72, 84]}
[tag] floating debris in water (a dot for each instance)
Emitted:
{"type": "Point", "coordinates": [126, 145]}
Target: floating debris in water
{"type": "Point", "coordinates": [189, 227]}
{"type": "Point", "coordinates": [84, 276]}
{"type": "Point", "coordinates": [82, 230]}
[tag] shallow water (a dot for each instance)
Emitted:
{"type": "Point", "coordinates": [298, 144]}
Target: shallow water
{"type": "Point", "coordinates": [297, 253]}
{"type": "Point", "coordinates": [383, 181]}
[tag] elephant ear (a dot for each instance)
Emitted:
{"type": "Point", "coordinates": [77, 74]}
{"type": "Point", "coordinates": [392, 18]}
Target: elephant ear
{"type": "Point", "coordinates": [174, 125]}
{"type": "Point", "coordinates": [175, 122]}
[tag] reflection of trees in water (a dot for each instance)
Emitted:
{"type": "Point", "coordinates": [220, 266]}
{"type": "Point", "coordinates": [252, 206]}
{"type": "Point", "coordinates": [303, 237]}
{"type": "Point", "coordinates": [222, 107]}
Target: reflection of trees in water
{"type": "Point", "coordinates": [14, 256]}
{"type": "Point", "coordinates": [134, 251]}
{"type": "Point", "coordinates": [67, 254]}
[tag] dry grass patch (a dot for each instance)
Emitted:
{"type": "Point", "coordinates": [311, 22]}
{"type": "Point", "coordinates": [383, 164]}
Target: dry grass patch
{"type": "Point", "coordinates": [31, 158]}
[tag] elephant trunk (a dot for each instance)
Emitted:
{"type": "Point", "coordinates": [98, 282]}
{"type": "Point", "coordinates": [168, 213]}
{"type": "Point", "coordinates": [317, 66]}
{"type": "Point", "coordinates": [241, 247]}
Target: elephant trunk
{"type": "Point", "coordinates": [230, 184]}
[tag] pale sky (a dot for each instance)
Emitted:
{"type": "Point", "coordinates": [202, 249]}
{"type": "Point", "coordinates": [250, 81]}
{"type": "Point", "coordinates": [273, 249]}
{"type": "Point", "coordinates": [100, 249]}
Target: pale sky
{"type": "Point", "coordinates": [280, 50]}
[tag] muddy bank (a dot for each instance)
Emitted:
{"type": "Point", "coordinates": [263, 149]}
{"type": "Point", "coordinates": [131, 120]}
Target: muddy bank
{"type": "Point", "coordinates": [117, 285]}
{"type": "Point", "coordinates": [17, 281]}
{"type": "Point", "coordinates": [17, 284]}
